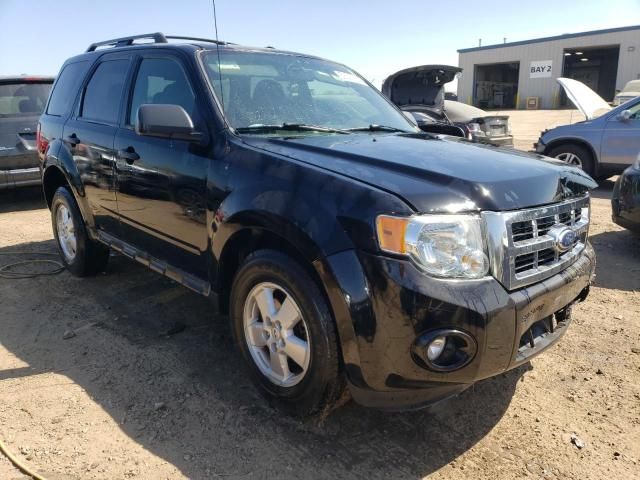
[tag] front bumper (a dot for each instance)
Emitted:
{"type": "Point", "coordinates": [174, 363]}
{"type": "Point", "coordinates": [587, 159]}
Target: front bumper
{"type": "Point", "coordinates": [20, 177]}
{"type": "Point", "coordinates": [625, 200]}
{"type": "Point", "coordinates": [402, 304]}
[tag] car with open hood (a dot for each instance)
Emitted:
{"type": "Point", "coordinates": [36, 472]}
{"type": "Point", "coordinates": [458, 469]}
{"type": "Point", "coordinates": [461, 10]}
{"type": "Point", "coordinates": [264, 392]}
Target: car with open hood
{"type": "Point", "coordinates": [420, 91]}
{"type": "Point", "coordinates": [605, 143]}
{"type": "Point", "coordinates": [349, 248]}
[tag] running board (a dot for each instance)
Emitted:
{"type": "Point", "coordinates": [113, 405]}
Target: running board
{"type": "Point", "coordinates": [175, 274]}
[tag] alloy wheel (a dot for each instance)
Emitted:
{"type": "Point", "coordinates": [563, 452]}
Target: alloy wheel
{"type": "Point", "coordinates": [276, 334]}
{"type": "Point", "coordinates": [570, 158]}
{"type": "Point", "coordinates": [66, 233]}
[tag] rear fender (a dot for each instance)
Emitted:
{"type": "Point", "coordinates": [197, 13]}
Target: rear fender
{"type": "Point", "coordinates": [59, 157]}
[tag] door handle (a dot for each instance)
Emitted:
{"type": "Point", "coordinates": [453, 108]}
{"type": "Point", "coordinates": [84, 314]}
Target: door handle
{"type": "Point", "coordinates": [129, 154]}
{"type": "Point", "coordinates": [72, 139]}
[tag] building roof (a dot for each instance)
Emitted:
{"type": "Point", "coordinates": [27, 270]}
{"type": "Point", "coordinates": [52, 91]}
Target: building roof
{"type": "Point", "coordinates": [549, 39]}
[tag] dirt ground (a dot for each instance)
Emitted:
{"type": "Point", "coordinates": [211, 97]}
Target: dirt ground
{"type": "Point", "coordinates": [91, 385]}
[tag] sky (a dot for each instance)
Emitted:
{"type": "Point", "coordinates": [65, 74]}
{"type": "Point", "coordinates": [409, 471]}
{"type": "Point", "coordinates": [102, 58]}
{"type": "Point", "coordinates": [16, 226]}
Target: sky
{"type": "Point", "coordinates": [374, 37]}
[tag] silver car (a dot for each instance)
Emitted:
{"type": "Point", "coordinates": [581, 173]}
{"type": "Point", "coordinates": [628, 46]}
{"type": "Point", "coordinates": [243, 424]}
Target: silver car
{"type": "Point", "coordinates": [630, 91]}
{"type": "Point", "coordinates": [606, 143]}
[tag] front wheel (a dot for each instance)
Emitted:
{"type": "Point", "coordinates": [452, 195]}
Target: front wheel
{"type": "Point", "coordinates": [574, 155]}
{"type": "Point", "coordinates": [80, 255]}
{"type": "Point", "coordinates": [284, 329]}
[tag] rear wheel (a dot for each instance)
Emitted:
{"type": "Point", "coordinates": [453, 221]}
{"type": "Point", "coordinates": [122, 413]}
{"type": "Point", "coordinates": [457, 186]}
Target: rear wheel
{"type": "Point", "coordinates": [285, 331]}
{"type": "Point", "coordinates": [80, 255]}
{"type": "Point", "coordinates": [575, 155]}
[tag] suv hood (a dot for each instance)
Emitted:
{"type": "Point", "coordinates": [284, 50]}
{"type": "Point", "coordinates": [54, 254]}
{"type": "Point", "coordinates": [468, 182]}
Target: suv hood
{"type": "Point", "coordinates": [586, 100]}
{"type": "Point", "coordinates": [420, 86]}
{"type": "Point", "coordinates": [435, 174]}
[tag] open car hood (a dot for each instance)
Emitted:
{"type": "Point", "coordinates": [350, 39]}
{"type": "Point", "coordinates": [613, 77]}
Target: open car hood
{"type": "Point", "coordinates": [586, 100]}
{"type": "Point", "coordinates": [420, 86]}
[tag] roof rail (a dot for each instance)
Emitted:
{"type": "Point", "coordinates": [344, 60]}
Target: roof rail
{"type": "Point", "coordinates": [124, 41]}
{"type": "Point", "coordinates": [207, 40]}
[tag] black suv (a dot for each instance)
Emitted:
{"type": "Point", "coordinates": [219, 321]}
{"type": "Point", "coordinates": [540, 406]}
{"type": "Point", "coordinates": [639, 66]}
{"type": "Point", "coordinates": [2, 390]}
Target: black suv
{"type": "Point", "coordinates": [347, 246]}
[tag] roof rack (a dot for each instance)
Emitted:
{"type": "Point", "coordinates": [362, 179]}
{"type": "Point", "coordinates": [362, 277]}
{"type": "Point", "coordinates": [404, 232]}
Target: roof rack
{"type": "Point", "coordinates": [157, 37]}
{"type": "Point", "coordinates": [124, 41]}
{"type": "Point", "coordinates": [207, 40]}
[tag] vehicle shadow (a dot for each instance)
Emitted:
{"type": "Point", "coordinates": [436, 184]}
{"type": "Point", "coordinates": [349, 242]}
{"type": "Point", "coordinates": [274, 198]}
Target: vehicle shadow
{"type": "Point", "coordinates": [605, 188]}
{"type": "Point", "coordinates": [211, 418]}
{"type": "Point", "coordinates": [21, 199]}
{"type": "Point", "coordinates": [618, 260]}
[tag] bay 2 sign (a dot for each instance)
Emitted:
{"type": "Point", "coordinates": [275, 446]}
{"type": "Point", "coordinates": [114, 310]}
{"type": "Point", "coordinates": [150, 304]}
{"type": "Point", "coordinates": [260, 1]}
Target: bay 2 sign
{"type": "Point", "coordinates": [540, 69]}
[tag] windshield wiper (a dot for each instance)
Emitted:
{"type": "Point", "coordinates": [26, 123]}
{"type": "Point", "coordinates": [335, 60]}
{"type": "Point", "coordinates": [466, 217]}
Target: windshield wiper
{"type": "Point", "coordinates": [377, 128]}
{"type": "Point", "coordinates": [296, 127]}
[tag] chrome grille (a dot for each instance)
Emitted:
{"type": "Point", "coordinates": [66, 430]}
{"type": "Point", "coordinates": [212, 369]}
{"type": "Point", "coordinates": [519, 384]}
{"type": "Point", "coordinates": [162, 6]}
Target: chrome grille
{"type": "Point", "coordinates": [522, 250]}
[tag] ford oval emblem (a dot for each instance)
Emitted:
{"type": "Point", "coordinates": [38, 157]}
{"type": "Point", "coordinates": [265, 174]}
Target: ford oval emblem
{"type": "Point", "coordinates": [565, 238]}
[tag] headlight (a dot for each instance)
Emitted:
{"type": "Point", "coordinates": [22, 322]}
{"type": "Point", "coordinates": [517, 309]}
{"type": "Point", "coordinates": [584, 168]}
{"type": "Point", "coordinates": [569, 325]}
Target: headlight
{"type": "Point", "coordinates": [447, 246]}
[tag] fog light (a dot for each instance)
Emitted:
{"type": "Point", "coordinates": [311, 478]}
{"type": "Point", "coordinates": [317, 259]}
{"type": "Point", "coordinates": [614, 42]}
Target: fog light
{"type": "Point", "coordinates": [444, 350]}
{"type": "Point", "coordinates": [436, 347]}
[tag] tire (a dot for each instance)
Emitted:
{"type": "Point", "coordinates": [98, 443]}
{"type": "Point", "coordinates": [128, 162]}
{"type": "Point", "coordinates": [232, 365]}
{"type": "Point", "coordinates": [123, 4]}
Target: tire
{"type": "Point", "coordinates": [310, 389]}
{"type": "Point", "coordinates": [80, 255]}
{"type": "Point", "coordinates": [575, 155]}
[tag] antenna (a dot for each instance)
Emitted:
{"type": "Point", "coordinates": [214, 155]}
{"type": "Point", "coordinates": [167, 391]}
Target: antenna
{"type": "Point", "coordinates": [215, 25]}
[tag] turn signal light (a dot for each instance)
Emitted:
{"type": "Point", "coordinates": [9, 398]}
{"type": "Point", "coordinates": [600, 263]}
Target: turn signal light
{"type": "Point", "coordinates": [391, 233]}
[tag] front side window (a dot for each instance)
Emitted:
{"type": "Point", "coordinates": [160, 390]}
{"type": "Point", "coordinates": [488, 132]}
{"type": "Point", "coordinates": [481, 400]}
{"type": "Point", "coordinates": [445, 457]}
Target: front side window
{"type": "Point", "coordinates": [103, 93]}
{"type": "Point", "coordinates": [161, 81]}
{"type": "Point", "coordinates": [259, 89]}
{"type": "Point", "coordinates": [23, 99]}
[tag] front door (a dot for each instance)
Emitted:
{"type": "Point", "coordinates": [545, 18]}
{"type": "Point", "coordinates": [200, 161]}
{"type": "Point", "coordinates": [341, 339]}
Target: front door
{"type": "Point", "coordinates": [621, 138]}
{"type": "Point", "coordinates": [89, 135]}
{"type": "Point", "coordinates": [162, 182]}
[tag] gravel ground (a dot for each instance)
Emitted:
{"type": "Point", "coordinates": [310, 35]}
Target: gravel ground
{"type": "Point", "coordinates": [91, 385]}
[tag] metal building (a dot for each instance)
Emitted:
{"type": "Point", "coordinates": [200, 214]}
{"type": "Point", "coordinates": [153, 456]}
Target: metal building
{"type": "Point", "coordinates": [512, 75]}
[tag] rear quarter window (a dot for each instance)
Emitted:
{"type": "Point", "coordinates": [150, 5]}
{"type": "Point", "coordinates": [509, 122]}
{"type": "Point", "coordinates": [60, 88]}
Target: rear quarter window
{"type": "Point", "coordinates": [66, 87]}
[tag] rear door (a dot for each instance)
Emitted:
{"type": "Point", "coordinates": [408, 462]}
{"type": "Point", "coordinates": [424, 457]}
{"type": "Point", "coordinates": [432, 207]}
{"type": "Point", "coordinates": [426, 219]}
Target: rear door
{"type": "Point", "coordinates": [621, 139]}
{"type": "Point", "coordinates": [61, 102]}
{"type": "Point", "coordinates": [90, 133]}
{"type": "Point", "coordinates": [162, 182]}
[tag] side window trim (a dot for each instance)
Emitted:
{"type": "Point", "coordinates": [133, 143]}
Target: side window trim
{"type": "Point", "coordinates": [77, 110]}
{"type": "Point", "coordinates": [123, 119]}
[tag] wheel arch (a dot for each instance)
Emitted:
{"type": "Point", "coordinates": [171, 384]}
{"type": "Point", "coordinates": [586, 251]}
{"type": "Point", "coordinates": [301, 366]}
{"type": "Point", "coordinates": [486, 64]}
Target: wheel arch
{"type": "Point", "coordinates": [52, 179]}
{"type": "Point", "coordinates": [247, 239]}
{"type": "Point", "coordinates": [574, 141]}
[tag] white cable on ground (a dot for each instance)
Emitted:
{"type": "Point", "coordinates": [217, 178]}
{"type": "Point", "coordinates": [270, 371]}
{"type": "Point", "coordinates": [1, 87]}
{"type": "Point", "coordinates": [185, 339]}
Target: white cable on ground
{"type": "Point", "coordinates": [18, 464]}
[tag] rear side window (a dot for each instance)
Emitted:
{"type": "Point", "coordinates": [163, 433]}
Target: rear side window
{"type": "Point", "coordinates": [64, 92]}
{"type": "Point", "coordinates": [103, 93]}
{"type": "Point", "coordinates": [23, 99]}
{"type": "Point", "coordinates": [161, 80]}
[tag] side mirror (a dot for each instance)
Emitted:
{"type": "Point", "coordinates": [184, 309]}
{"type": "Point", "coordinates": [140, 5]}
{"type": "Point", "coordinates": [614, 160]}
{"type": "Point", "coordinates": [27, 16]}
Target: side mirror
{"type": "Point", "coordinates": [624, 116]}
{"type": "Point", "coordinates": [165, 121]}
